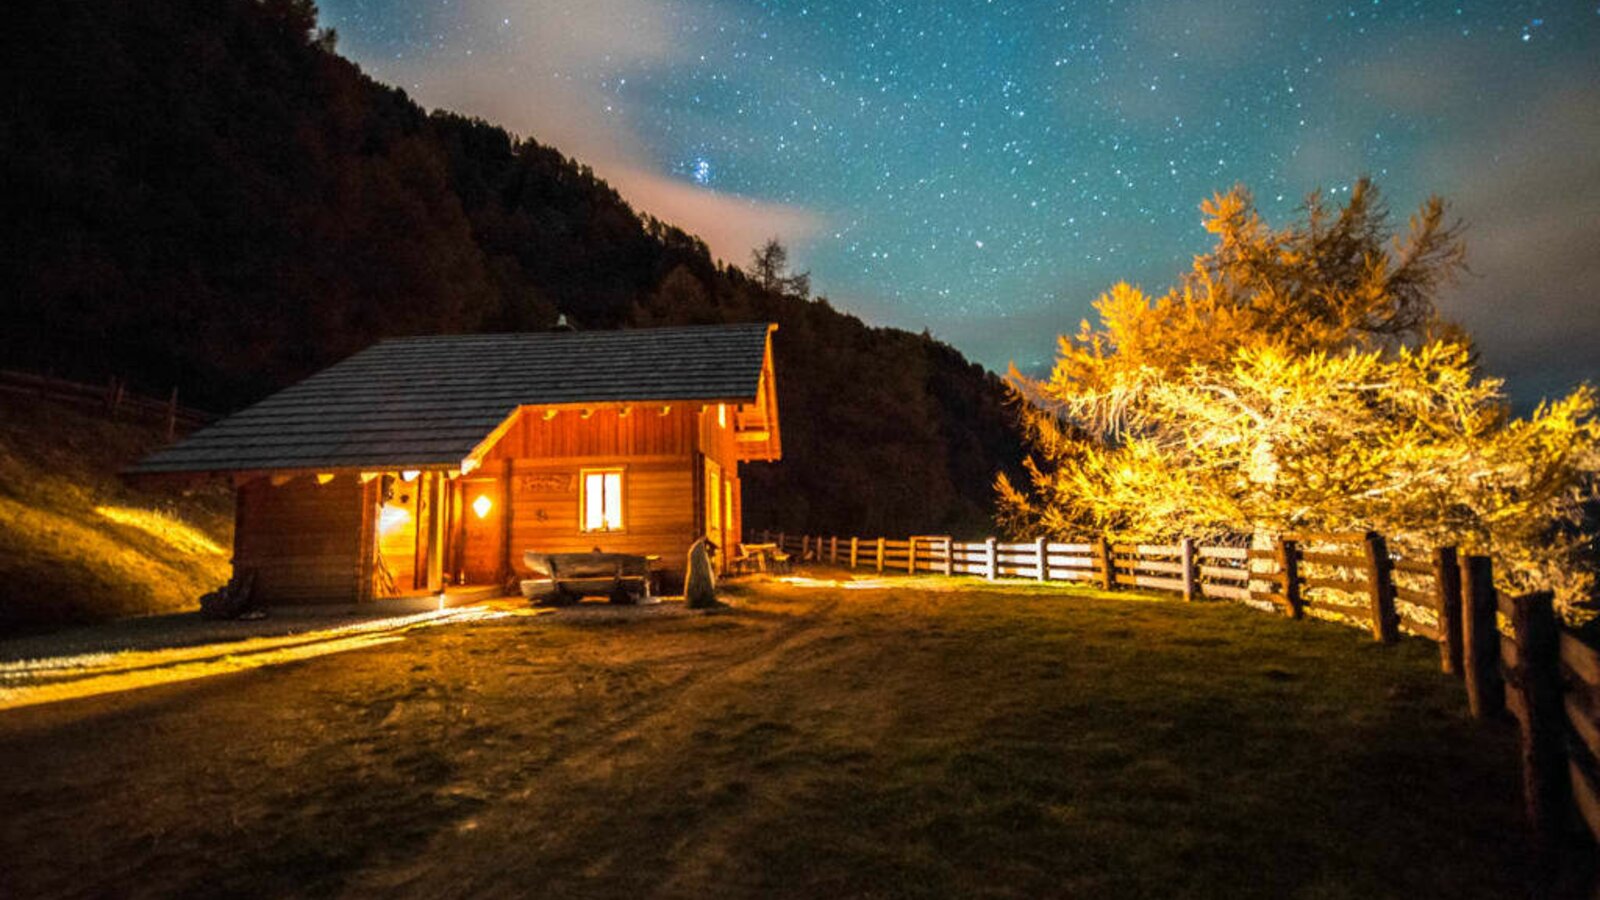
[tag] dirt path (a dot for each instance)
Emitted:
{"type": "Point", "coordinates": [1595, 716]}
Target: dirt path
{"type": "Point", "coordinates": [813, 741]}
{"type": "Point", "coordinates": [492, 852]}
{"type": "Point", "coordinates": [413, 734]}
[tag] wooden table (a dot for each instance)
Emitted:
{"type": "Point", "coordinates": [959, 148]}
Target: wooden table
{"type": "Point", "coordinates": [761, 552]}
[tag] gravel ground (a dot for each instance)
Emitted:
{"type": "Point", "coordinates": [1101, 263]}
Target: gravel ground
{"type": "Point", "coordinates": [151, 650]}
{"type": "Point", "coordinates": [154, 633]}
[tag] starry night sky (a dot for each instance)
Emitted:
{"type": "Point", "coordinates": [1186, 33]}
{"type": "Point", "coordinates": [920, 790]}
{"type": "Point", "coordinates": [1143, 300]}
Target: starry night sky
{"type": "Point", "coordinates": [986, 169]}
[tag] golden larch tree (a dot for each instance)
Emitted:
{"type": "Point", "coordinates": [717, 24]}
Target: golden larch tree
{"type": "Point", "coordinates": [1302, 379]}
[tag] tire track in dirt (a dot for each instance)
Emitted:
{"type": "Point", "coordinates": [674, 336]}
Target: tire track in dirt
{"type": "Point", "coordinates": [581, 747]}
{"type": "Point", "coordinates": [577, 758]}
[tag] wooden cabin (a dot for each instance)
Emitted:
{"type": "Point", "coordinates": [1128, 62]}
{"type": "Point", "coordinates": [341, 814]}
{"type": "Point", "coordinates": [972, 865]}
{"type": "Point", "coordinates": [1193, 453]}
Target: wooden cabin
{"type": "Point", "coordinates": [423, 463]}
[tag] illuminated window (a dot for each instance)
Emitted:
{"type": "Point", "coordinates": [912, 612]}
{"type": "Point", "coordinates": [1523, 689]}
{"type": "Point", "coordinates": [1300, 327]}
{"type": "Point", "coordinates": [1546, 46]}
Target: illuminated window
{"type": "Point", "coordinates": [602, 500]}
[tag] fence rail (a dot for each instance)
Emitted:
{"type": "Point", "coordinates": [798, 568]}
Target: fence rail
{"type": "Point", "coordinates": [1512, 653]}
{"type": "Point", "coordinates": [112, 398]}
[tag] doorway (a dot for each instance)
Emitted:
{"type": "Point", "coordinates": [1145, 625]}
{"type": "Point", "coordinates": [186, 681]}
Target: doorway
{"type": "Point", "coordinates": [482, 508]}
{"type": "Point", "coordinates": [715, 511]}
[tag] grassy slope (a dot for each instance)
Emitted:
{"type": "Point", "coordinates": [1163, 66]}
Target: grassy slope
{"type": "Point", "coordinates": [78, 545]}
{"type": "Point", "coordinates": [912, 740]}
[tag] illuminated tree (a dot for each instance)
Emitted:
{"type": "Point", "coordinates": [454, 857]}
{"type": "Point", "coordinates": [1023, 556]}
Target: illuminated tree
{"type": "Point", "coordinates": [1302, 380]}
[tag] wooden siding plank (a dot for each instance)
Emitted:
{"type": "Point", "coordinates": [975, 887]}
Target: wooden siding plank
{"type": "Point", "coordinates": [659, 509]}
{"type": "Point", "coordinates": [302, 539]}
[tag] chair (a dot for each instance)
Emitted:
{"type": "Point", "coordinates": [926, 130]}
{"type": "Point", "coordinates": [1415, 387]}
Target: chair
{"type": "Point", "coordinates": [743, 560]}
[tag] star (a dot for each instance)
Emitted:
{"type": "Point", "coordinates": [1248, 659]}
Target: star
{"type": "Point", "coordinates": [1077, 136]}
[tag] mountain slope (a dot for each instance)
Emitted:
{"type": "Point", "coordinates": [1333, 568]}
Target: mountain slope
{"type": "Point", "coordinates": [78, 545]}
{"type": "Point", "coordinates": [209, 197]}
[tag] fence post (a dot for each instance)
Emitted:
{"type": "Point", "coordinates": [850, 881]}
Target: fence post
{"type": "Point", "coordinates": [992, 564]}
{"type": "Point", "coordinates": [1537, 680]}
{"type": "Point", "coordinates": [1380, 586]}
{"type": "Point", "coordinates": [782, 545]}
{"type": "Point", "coordinates": [880, 556]}
{"type": "Point", "coordinates": [1108, 570]}
{"type": "Point", "coordinates": [114, 393]}
{"type": "Point", "coordinates": [1447, 596]}
{"type": "Point", "coordinates": [1289, 559]}
{"type": "Point", "coordinates": [854, 546]}
{"type": "Point", "coordinates": [911, 556]}
{"type": "Point", "coordinates": [949, 557]}
{"type": "Point", "coordinates": [1480, 639]}
{"type": "Point", "coordinates": [172, 413]}
{"type": "Point", "coordinates": [1042, 548]}
{"type": "Point", "coordinates": [1186, 561]}
{"type": "Point", "coordinates": [833, 550]}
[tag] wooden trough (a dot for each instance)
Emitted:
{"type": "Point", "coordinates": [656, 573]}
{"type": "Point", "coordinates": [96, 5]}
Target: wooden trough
{"type": "Point", "coordinates": [563, 578]}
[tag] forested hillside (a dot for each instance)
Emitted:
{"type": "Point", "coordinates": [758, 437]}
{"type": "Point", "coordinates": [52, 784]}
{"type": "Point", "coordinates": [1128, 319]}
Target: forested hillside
{"type": "Point", "coordinates": [202, 193]}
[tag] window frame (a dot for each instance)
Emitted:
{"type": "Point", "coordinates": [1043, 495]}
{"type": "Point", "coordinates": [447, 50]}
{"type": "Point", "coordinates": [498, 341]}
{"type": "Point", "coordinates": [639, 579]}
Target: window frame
{"type": "Point", "coordinates": [622, 499]}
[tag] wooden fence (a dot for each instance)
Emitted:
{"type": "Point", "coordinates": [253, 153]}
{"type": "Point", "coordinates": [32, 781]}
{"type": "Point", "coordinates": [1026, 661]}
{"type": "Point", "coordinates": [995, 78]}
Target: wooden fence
{"type": "Point", "coordinates": [1512, 653]}
{"type": "Point", "coordinates": [112, 398]}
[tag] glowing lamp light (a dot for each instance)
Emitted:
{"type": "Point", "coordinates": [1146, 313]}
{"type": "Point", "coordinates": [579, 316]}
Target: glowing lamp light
{"type": "Point", "coordinates": [482, 505]}
{"type": "Point", "coordinates": [410, 474]}
{"type": "Point", "coordinates": [391, 518]}
{"type": "Point", "coordinates": [324, 477]}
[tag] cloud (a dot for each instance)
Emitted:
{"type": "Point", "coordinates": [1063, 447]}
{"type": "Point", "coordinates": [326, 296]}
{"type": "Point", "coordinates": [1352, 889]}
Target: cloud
{"type": "Point", "coordinates": [731, 225]}
{"type": "Point", "coordinates": [1529, 188]}
{"type": "Point", "coordinates": [1429, 79]}
{"type": "Point", "coordinates": [1210, 31]}
{"type": "Point", "coordinates": [555, 71]}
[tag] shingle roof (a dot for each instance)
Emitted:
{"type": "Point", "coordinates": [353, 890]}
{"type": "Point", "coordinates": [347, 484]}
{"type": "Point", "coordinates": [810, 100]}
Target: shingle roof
{"type": "Point", "coordinates": [430, 401]}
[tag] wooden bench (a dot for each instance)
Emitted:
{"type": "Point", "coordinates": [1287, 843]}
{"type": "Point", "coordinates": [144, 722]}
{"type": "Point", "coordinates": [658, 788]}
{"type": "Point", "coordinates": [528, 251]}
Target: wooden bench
{"type": "Point", "coordinates": [563, 578]}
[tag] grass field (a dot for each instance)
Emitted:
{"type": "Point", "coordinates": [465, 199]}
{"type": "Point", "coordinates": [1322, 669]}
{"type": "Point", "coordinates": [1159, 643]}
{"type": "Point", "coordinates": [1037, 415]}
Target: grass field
{"type": "Point", "coordinates": [76, 543]}
{"type": "Point", "coordinates": [905, 738]}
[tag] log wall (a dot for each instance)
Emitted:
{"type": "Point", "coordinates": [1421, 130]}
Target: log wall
{"type": "Point", "coordinates": [316, 543]}
{"type": "Point", "coordinates": [659, 448]}
{"type": "Point", "coordinates": [717, 443]}
{"type": "Point", "coordinates": [304, 541]}
{"type": "Point", "coordinates": [658, 508]}
{"type": "Point", "coordinates": [644, 431]}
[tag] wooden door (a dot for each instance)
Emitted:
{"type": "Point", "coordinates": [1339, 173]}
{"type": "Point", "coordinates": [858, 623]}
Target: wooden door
{"type": "Point", "coordinates": [483, 529]}
{"type": "Point", "coordinates": [715, 512]}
